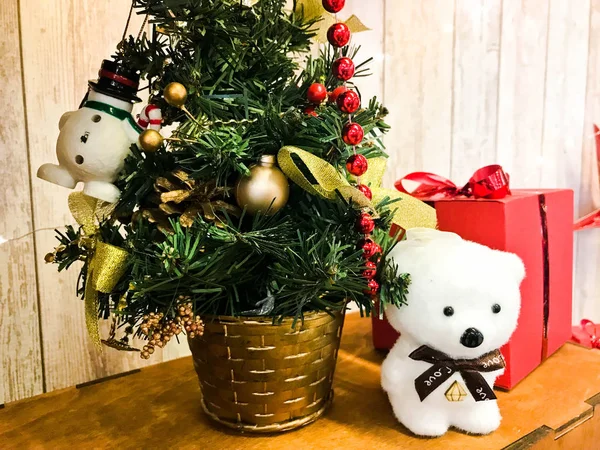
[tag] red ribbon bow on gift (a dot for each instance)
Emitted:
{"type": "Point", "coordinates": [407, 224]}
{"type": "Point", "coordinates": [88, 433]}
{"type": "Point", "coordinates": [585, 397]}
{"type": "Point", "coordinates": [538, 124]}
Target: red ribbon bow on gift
{"type": "Point", "coordinates": [487, 182]}
{"type": "Point", "coordinates": [587, 334]}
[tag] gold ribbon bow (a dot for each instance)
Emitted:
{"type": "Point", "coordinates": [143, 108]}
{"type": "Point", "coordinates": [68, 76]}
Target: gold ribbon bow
{"type": "Point", "coordinates": [409, 212]}
{"type": "Point", "coordinates": [106, 263]}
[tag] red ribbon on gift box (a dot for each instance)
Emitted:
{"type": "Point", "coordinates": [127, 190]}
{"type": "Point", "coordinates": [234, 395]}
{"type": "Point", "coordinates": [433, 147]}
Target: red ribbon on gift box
{"type": "Point", "coordinates": [587, 333]}
{"type": "Point", "coordinates": [488, 182]}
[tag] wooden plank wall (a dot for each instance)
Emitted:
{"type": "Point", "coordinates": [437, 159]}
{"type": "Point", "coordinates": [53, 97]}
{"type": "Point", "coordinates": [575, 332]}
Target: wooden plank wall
{"type": "Point", "coordinates": [20, 346]}
{"type": "Point", "coordinates": [516, 82]}
{"type": "Point", "coordinates": [467, 83]}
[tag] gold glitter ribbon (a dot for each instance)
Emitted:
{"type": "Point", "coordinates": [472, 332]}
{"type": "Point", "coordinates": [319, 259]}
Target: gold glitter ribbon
{"type": "Point", "coordinates": [106, 263]}
{"type": "Point", "coordinates": [408, 212]}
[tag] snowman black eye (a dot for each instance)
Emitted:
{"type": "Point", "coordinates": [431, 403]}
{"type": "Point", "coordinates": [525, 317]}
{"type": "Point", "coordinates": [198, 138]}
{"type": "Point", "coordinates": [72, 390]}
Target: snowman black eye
{"type": "Point", "coordinates": [96, 118]}
{"type": "Point", "coordinates": [448, 311]}
{"type": "Point", "coordinates": [496, 308]}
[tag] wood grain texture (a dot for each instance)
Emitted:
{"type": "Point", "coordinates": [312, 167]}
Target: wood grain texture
{"type": "Point", "coordinates": [371, 45]}
{"type": "Point", "coordinates": [523, 47]}
{"type": "Point", "coordinates": [586, 301]}
{"type": "Point", "coordinates": [20, 347]}
{"type": "Point", "coordinates": [63, 46]}
{"type": "Point", "coordinates": [418, 85]}
{"type": "Point", "coordinates": [564, 107]}
{"type": "Point", "coordinates": [137, 411]}
{"type": "Point", "coordinates": [475, 86]}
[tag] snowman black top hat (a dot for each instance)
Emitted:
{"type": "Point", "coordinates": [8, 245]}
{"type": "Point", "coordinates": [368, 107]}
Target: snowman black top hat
{"type": "Point", "coordinates": [116, 80]}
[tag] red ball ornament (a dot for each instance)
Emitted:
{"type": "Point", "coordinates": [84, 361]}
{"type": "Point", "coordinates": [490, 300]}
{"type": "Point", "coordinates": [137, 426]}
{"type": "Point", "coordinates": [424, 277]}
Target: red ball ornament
{"type": "Point", "coordinates": [365, 190]}
{"type": "Point", "coordinates": [333, 6]}
{"type": "Point", "coordinates": [372, 288]}
{"type": "Point", "coordinates": [338, 34]}
{"type": "Point", "coordinates": [310, 110]}
{"type": "Point", "coordinates": [348, 102]}
{"type": "Point", "coordinates": [316, 93]}
{"type": "Point", "coordinates": [370, 271]}
{"type": "Point", "coordinates": [365, 224]}
{"type": "Point", "coordinates": [343, 68]}
{"type": "Point", "coordinates": [333, 96]}
{"type": "Point", "coordinates": [357, 165]}
{"type": "Point", "coordinates": [352, 133]}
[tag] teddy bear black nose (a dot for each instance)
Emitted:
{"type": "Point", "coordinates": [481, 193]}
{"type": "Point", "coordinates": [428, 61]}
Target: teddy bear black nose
{"type": "Point", "coordinates": [471, 338]}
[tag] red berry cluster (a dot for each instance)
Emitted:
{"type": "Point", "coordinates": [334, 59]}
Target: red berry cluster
{"type": "Point", "coordinates": [348, 101]}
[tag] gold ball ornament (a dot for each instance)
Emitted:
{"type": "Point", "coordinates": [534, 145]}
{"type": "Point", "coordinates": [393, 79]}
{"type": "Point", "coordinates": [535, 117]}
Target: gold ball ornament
{"type": "Point", "coordinates": [175, 94]}
{"type": "Point", "coordinates": [266, 186]}
{"type": "Point", "coordinates": [151, 141]}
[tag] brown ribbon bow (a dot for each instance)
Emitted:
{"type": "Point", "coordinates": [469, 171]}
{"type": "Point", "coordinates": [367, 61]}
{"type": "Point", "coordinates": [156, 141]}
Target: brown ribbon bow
{"type": "Point", "coordinates": [444, 366]}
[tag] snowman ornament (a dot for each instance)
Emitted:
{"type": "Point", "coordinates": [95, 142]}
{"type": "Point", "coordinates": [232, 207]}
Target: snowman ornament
{"type": "Point", "coordinates": [95, 140]}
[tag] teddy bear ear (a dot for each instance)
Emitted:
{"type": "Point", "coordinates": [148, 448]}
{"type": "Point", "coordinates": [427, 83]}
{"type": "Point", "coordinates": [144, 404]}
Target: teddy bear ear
{"type": "Point", "coordinates": [429, 234]}
{"type": "Point", "coordinates": [514, 265]}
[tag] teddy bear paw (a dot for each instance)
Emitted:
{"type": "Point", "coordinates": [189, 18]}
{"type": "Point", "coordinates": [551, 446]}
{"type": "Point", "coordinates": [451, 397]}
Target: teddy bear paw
{"type": "Point", "coordinates": [479, 421]}
{"type": "Point", "coordinates": [427, 428]}
{"type": "Point", "coordinates": [423, 422]}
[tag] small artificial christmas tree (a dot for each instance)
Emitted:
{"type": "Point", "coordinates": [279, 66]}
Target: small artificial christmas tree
{"type": "Point", "coordinates": [207, 219]}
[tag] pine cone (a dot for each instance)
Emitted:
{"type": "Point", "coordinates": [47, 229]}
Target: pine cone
{"type": "Point", "coordinates": [180, 196]}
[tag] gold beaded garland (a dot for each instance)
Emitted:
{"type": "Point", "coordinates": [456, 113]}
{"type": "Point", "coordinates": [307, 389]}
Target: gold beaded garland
{"type": "Point", "coordinates": [159, 331]}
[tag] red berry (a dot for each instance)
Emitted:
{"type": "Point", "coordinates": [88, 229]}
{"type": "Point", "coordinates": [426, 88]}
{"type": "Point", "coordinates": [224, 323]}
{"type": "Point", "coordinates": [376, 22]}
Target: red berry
{"type": "Point", "coordinates": [316, 93]}
{"type": "Point", "coordinates": [365, 223]}
{"type": "Point", "coordinates": [352, 133]}
{"type": "Point", "coordinates": [357, 165]}
{"type": "Point", "coordinates": [368, 247]}
{"type": "Point", "coordinates": [378, 251]}
{"type": "Point", "coordinates": [370, 271]}
{"type": "Point", "coordinates": [348, 102]}
{"type": "Point", "coordinates": [372, 288]}
{"type": "Point", "coordinates": [333, 6]}
{"type": "Point", "coordinates": [338, 34]}
{"type": "Point", "coordinates": [333, 96]}
{"type": "Point", "coordinates": [343, 68]}
{"type": "Point", "coordinates": [310, 110]}
{"type": "Point", "coordinates": [365, 190]}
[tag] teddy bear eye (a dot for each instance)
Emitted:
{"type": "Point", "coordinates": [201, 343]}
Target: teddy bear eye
{"type": "Point", "coordinates": [448, 311]}
{"type": "Point", "coordinates": [96, 118]}
{"type": "Point", "coordinates": [496, 308]}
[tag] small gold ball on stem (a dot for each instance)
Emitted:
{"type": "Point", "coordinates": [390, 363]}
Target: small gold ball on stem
{"type": "Point", "coordinates": [151, 141]}
{"type": "Point", "coordinates": [175, 94]}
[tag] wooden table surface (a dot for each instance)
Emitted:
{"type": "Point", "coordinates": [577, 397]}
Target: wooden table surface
{"type": "Point", "coordinates": [159, 407]}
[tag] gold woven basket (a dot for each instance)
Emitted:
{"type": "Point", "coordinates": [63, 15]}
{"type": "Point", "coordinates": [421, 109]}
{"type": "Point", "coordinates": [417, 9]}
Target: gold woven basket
{"type": "Point", "coordinates": [260, 377]}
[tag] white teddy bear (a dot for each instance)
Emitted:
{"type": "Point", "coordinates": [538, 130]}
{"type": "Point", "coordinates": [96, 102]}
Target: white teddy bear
{"type": "Point", "coordinates": [463, 305]}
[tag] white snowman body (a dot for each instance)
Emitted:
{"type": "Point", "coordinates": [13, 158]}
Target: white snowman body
{"type": "Point", "coordinates": [481, 286]}
{"type": "Point", "coordinates": [92, 146]}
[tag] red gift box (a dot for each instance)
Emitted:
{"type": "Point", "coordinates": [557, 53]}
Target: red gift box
{"type": "Point", "coordinates": [537, 225]}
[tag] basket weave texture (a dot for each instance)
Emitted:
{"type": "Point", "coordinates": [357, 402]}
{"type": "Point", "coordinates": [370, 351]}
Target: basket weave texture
{"type": "Point", "coordinates": [260, 377]}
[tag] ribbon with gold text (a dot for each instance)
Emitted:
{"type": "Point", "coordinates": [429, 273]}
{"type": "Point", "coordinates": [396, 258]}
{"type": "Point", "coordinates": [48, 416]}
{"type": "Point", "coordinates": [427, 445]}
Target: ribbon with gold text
{"type": "Point", "coordinates": [444, 367]}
